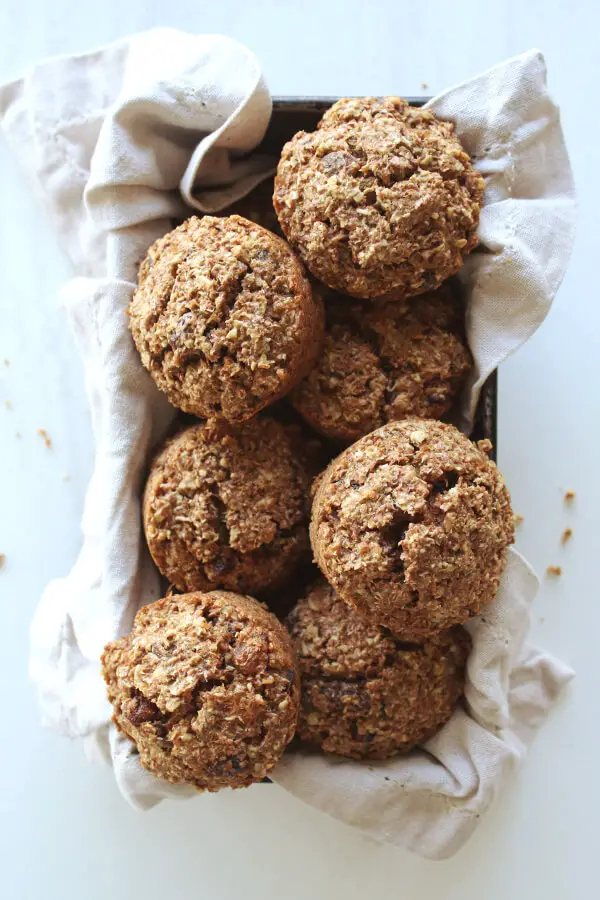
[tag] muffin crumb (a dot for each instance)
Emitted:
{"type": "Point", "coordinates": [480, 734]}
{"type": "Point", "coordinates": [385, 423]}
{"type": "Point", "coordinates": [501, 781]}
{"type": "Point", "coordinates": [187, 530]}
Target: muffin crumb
{"type": "Point", "coordinates": [8, 404]}
{"type": "Point", "coordinates": [2, 560]}
{"type": "Point", "coordinates": [566, 535]}
{"type": "Point", "coordinates": [569, 496]}
{"type": "Point", "coordinates": [519, 520]}
{"type": "Point", "coordinates": [45, 437]}
{"type": "Point", "coordinates": [554, 571]}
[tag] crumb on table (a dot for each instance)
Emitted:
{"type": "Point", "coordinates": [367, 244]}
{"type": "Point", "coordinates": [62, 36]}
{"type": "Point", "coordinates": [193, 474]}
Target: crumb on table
{"type": "Point", "coordinates": [542, 619]}
{"type": "Point", "coordinates": [2, 560]}
{"type": "Point", "coordinates": [554, 571]}
{"type": "Point", "coordinates": [519, 520]}
{"type": "Point", "coordinates": [18, 434]}
{"type": "Point", "coordinates": [569, 496]}
{"type": "Point", "coordinates": [45, 437]}
{"type": "Point", "coordinates": [566, 535]}
{"type": "Point", "coordinates": [65, 476]}
{"type": "Point", "coordinates": [424, 85]}
{"type": "Point", "coordinates": [8, 404]}
{"type": "Point", "coordinates": [6, 362]}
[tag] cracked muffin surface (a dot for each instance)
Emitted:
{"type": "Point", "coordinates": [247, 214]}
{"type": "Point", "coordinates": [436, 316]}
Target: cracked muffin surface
{"type": "Point", "coordinates": [227, 505]}
{"type": "Point", "coordinates": [381, 197]}
{"type": "Point", "coordinates": [381, 362]}
{"type": "Point", "coordinates": [411, 524]}
{"type": "Point", "coordinates": [364, 693]}
{"type": "Point", "coordinates": [224, 317]}
{"type": "Point", "coordinates": [206, 686]}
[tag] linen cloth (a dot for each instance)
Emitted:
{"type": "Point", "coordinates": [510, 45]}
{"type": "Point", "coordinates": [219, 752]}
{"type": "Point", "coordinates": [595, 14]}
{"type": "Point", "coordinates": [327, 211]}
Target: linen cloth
{"type": "Point", "coordinates": [117, 143]}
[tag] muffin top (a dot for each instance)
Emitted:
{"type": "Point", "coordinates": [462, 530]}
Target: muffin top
{"type": "Point", "coordinates": [385, 361]}
{"type": "Point", "coordinates": [381, 197]}
{"type": "Point", "coordinates": [366, 694]}
{"type": "Point", "coordinates": [410, 525]}
{"type": "Point", "coordinates": [227, 505]}
{"type": "Point", "coordinates": [224, 317]}
{"type": "Point", "coordinates": [206, 685]}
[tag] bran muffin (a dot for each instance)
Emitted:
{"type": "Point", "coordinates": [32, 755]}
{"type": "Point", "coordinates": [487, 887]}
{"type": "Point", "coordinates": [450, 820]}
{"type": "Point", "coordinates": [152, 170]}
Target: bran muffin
{"type": "Point", "coordinates": [410, 525]}
{"type": "Point", "coordinates": [227, 506]}
{"type": "Point", "coordinates": [206, 686]}
{"type": "Point", "coordinates": [385, 361]}
{"type": "Point", "coordinates": [224, 317]}
{"type": "Point", "coordinates": [381, 197]}
{"type": "Point", "coordinates": [364, 693]}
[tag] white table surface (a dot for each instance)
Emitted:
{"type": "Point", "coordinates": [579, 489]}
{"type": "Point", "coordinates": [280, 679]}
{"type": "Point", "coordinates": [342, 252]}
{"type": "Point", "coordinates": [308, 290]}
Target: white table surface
{"type": "Point", "coordinates": [65, 832]}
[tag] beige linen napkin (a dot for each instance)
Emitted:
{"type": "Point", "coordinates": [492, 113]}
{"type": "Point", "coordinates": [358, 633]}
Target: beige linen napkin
{"type": "Point", "coordinates": [116, 143]}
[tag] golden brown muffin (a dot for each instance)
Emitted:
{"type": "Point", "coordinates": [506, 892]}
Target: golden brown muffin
{"type": "Point", "coordinates": [382, 362]}
{"type": "Point", "coordinates": [224, 317]}
{"type": "Point", "coordinates": [227, 506]}
{"type": "Point", "coordinates": [206, 686]}
{"type": "Point", "coordinates": [410, 525]}
{"type": "Point", "coordinates": [382, 197]}
{"type": "Point", "coordinates": [366, 694]}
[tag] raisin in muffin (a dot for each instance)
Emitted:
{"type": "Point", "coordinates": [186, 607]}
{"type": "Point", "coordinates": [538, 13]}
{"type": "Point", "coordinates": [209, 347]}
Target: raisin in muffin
{"type": "Point", "coordinates": [366, 694]}
{"type": "Point", "coordinates": [224, 317]}
{"type": "Point", "coordinates": [382, 362]}
{"type": "Point", "coordinates": [381, 197]}
{"type": "Point", "coordinates": [227, 505]}
{"type": "Point", "coordinates": [411, 525]}
{"type": "Point", "coordinates": [206, 686]}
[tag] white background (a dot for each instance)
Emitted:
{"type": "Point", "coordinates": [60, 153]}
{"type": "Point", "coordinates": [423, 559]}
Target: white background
{"type": "Point", "coordinates": [64, 830]}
